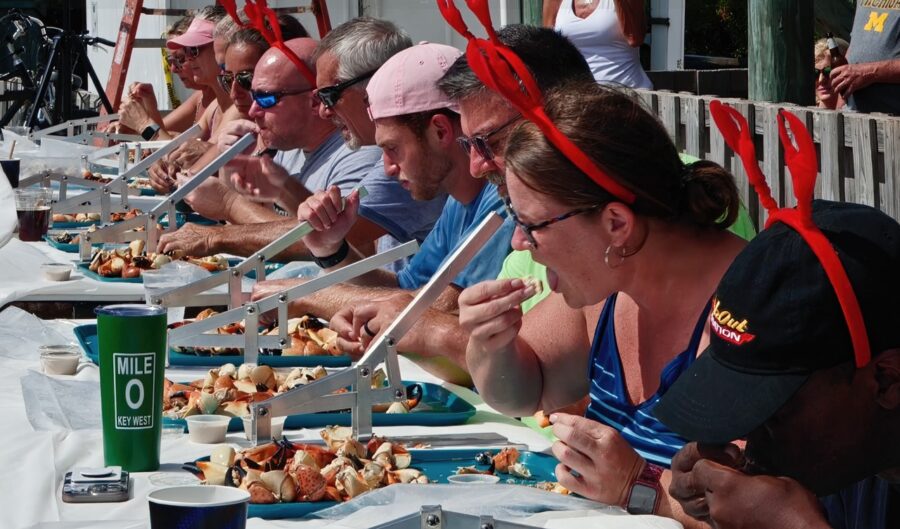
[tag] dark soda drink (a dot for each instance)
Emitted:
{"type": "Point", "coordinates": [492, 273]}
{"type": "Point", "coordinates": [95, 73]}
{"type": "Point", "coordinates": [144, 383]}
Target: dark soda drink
{"type": "Point", "coordinates": [33, 223]}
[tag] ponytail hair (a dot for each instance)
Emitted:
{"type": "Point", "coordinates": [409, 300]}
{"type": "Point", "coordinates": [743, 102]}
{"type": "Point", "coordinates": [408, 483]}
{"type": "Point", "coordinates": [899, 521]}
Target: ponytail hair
{"type": "Point", "coordinates": [630, 144]}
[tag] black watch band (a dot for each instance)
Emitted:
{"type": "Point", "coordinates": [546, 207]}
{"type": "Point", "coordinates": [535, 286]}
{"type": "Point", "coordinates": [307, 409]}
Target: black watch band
{"type": "Point", "coordinates": [335, 258]}
{"type": "Point", "coordinates": [149, 131]}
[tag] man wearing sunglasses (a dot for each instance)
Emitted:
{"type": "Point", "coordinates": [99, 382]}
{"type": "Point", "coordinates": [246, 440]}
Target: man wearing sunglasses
{"type": "Point", "coordinates": [284, 118]}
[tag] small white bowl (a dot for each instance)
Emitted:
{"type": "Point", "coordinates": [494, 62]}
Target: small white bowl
{"type": "Point", "coordinates": [277, 427]}
{"type": "Point", "coordinates": [207, 429]}
{"type": "Point", "coordinates": [59, 359]}
{"type": "Point", "coordinates": [473, 479]}
{"type": "Point", "coordinates": [56, 271]}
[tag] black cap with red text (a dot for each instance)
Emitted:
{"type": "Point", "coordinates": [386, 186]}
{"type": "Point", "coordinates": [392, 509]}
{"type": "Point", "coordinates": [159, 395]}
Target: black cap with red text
{"type": "Point", "coordinates": [776, 319]}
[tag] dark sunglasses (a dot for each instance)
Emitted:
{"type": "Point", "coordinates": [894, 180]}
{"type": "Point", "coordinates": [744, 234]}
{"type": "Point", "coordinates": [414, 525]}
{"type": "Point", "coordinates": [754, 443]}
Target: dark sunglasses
{"type": "Point", "coordinates": [194, 51]}
{"type": "Point", "coordinates": [244, 79]}
{"type": "Point", "coordinates": [175, 61]}
{"type": "Point", "coordinates": [480, 141]}
{"type": "Point", "coordinates": [330, 95]}
{"type": "Point", "coordinates": [826, 71]}
{"type": "Point", "coordinates": [270, 99]}
{"type": "Point", "coordinates": [529, 229]}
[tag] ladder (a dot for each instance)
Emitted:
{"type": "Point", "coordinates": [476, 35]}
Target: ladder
{"type": "Point", "coordinates": [126, 39]}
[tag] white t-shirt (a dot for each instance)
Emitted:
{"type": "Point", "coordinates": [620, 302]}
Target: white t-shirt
{"type": "Point", "coordinates": [600, 39]}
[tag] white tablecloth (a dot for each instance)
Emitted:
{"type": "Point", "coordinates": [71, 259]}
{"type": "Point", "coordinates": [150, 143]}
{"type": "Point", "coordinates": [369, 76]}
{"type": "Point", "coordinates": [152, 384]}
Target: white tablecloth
{"type": "Point", "coordinates": [36, 461]}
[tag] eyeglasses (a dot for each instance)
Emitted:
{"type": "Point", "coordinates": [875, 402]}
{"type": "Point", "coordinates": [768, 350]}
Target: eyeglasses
{"type": "Point", "coordinates": [330, 95]}
{"type": "Point", "coordinates": [270, 99]}
{"type": "Point", "coordinates": [529, 229]}
{"type": "Point", "coordinates": [826, 71]}
{"type": "Point", "coordinates": [244, 80]}
{"type": "Point", "coordinates": [175, 61]}
{"type": "Point", "coordinates": [480, 141]}
{"type": "Point", "coordinates": [193, 52]}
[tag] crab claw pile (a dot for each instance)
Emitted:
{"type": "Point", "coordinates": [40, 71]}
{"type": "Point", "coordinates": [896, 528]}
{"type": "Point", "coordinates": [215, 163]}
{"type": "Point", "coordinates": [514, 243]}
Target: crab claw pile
{"type": "Point", "coordinates": [282, 471]}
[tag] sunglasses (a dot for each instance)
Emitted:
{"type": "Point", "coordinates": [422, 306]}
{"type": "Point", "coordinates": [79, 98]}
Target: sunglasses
{"type": "Point", "coordinates": [826, 71]}
{"type": "Point", "coordinates": [330, 95]}
{"type": "Point", "coordinates": [175, 61]}
{"type": "Point", "coordinates": [244, 79]}
{"type": "Point", "coordinates": [480, 141]}
{"type": "Point", "coordinates": [193, 52]}
{"type": "Point", "coordinates": [270, 99]}
{"type": "Point", "coordinates": [529, 229]}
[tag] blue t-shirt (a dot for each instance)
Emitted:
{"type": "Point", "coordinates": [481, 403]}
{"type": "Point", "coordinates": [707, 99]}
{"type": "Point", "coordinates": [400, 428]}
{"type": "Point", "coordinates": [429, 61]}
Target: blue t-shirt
{"type": "Point", "coordinates": [455, 223]}
{"type": "Point", "coordinates": [863, 505]}
{"type": "Point", "coordinates": [392, 207]}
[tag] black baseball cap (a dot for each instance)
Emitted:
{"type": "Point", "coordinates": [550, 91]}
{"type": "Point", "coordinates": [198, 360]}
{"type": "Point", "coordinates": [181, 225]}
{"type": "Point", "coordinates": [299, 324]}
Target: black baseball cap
{"type": "Point", "coordinates": [776, 319]}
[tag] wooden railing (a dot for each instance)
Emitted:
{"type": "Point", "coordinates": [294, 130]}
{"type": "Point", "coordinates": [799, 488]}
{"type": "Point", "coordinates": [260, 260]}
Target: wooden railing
{"type": "Point", "coordinates": [859, 154]}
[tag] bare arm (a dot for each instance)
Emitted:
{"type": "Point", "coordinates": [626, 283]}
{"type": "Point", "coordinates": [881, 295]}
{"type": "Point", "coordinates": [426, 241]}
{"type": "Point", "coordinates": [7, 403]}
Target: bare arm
{"type": "Point", "coordinates": [548, 12]}
{"type": "Point", "coordinates": [633, 20]}
{"type": "Point", "coordinates": [182, 117]}
{"type": "Point", "coordinates": [518, 366]}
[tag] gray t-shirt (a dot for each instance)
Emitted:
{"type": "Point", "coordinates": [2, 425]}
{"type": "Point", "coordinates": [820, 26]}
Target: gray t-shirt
{"type": "Point", "coordinates": [331, 164]}
{"type": "Point", "coordinates": [876, 37]}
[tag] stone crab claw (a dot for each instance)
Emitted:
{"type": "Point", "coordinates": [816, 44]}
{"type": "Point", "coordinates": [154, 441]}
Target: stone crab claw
{"type": "Point", "coordinates": [406, 475]}
{"type": "Point", "coordinates": [506, 458]}
{"type": "Point", "coordinates": [335, 436]}
{"type": "Point", "coordinates": [311, 484]}
{"type": "Point", "coordinates": [349, 482]}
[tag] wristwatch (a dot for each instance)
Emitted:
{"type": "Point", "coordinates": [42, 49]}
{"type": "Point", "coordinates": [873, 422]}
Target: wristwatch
{"type": "Point", "coordinates": [335, 258]}
{"type": "Point", "coordinates": [645, 491]}
{"type": "Point", "coordinates": [150, 131]}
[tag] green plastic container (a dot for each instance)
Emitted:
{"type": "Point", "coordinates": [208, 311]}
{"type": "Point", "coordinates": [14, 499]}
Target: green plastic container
{"type": "Point", "coordinates": [132, 342]}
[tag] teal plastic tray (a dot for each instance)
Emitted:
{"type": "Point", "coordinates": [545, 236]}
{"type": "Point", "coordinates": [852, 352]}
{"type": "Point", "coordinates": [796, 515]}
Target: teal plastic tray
{"type": "Point", "coordinates": [436, 464]}
{"type": "Point", "coordinates": [438, 407]}
{"type": "Point", "coordinates": [84, 269]}
{"type": "Point", "coordinates": [62, 246]}
{"type": "Point", "coordinates": [87, 336]}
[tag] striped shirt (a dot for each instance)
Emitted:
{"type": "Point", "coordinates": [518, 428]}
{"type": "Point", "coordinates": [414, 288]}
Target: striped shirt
{"type": "Point", "coordinates": [609, 400]}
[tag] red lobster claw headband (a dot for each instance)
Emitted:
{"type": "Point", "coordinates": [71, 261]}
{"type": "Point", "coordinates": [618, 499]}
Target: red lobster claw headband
{"type": "Point", "coordinates": [502, 71]}
{"type": "Point", "coordinates": [801, 161]}
{"type": "Point", "coordinates": [258, 13]}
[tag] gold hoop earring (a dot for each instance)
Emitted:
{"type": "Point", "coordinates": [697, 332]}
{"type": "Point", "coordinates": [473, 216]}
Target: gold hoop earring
{"type": "Point", "coordinates": [620, 253]}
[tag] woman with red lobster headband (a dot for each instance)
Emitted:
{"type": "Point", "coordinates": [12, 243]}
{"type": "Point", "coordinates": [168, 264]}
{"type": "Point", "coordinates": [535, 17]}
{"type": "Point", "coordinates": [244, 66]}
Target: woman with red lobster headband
{"type": "Point", "coordinates": [601, 198]}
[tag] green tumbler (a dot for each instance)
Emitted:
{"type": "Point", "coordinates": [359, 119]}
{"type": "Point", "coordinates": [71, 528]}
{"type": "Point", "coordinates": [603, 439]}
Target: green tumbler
{"type": "Point", "coordinates": [132, 366]}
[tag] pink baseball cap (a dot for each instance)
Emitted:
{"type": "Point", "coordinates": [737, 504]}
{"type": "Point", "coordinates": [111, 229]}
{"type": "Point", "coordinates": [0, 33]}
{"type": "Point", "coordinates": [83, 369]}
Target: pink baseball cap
{"type": "Point", "coordinates": [199, 33]}
{"type": "Point", "coordinates": [407, 82]}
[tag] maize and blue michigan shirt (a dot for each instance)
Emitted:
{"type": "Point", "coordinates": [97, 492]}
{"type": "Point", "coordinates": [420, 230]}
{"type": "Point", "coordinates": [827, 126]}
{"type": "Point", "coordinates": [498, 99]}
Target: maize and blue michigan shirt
{"type": "Point", "coordinates": [455, 223]}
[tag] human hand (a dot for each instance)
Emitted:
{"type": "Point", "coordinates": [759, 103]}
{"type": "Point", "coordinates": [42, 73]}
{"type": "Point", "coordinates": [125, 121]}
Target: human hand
{"type": "Point", "coordinates": [358, 324]}
{"type": "Point", "coordinates": [330, 219]}
{"type": "Point", "coordinates": [191, 239]}
{"type": "Point", "coordinates": [683, 488]}
{"type": "Point", "coordinates": [162, 179]}
{"type": "Point", "coordinates": [257, 177]}
{"type": "Point", "coordinates": [233, 131]}
{"type": "Point", "coordinates": [184, 156]}
{"type": "Point", "coordinates": [490, 312]}
{"type": "Point", "coordinates": [849, 78]}
{"type": "Point", "coordinates": [604, 464]}
{"type": "Point", "coordinates": [133, 115]}
{"type": "Point", "coordinates": [210, 199]}
{"type": "Point", "coordinates": [731, 499]}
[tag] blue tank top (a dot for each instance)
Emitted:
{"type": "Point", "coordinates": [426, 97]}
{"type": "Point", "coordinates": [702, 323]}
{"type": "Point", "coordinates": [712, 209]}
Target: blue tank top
{"type": "Point", "coordinates": [609, 402]}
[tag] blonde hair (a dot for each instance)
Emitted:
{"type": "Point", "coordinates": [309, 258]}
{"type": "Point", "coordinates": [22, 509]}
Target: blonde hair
{"type": "Point", "coordinates": [821, 47]}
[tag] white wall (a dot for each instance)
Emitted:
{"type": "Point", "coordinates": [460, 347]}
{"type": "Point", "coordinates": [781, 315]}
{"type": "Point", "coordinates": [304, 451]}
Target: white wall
{"type": "Point", "coordinates": [420, 18]}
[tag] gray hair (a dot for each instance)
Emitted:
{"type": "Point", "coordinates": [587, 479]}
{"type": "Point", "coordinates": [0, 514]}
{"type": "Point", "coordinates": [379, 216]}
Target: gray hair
{"type": "Point", "coordinates": [362, 45]}
{"type": "Point", "coordinates": [213, 13]}
{"type": "Point", "coordinates": [180, 26]}
{"type": "Point", "coordinates": [225, 28]}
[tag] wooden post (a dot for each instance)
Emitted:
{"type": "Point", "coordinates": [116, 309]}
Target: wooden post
{"type": "Point", "coordinates": [780, 51]}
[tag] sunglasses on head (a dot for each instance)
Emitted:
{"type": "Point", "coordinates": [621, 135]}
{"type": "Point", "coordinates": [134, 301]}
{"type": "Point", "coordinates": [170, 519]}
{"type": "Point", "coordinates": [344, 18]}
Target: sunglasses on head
{"type": "Point", "coordinates": [194, 51]}
{"type": "Point", "coordinates": [826, 71]}
{"type": "Point", "coordinates": [244, 79]}
{"type": "Point", "coordinates": [480, 141]}
{"type": "Point", "coordinates": [270, 99]}
{"type": "Point", "coordinates": [330, 95]}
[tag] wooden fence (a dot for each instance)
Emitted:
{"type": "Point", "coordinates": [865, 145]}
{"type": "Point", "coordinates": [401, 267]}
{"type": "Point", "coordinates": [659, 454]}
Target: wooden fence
{"type": "Point", "coordinates": [859, 154]}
